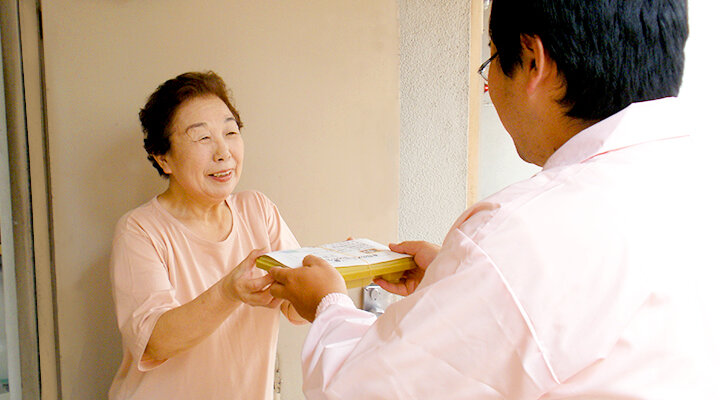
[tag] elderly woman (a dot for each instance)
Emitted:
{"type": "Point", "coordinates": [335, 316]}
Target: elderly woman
{"type": "Point", "coordinates": [197, 321]}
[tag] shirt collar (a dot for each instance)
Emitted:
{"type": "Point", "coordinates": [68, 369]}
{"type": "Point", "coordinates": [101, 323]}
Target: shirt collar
{"type": "Point", "coordinates": [638, 123]}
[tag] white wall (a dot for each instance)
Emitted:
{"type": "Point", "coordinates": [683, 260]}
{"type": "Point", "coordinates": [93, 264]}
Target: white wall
{"type": "Point", "coordinates": [701, 92]}
{"type": "Point", "coordinates": [701, 86]}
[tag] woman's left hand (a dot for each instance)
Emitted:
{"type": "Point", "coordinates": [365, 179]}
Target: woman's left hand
{"type": "Point", "coordinates": [240, 285]}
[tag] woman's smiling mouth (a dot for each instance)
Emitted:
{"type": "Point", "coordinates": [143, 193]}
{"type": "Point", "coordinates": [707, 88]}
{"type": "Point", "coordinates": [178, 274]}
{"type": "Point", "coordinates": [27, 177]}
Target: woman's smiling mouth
{"type": "Point", "coordinates": [222, 174]}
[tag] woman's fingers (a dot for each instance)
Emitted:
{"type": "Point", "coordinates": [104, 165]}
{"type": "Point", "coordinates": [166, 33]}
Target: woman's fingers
{"type": "Point", "coordinates": [254, 291]}
{"type": "Point", "coordinates": [239, 283]}
{"type": "Point", "coordinates": [274, 303]}
{"type": "Point", "coordinates": [257, 284]}
{"type": "Point", "coordinates": [263, 298]}
{"type": "Point", "coordinates": [249, 262]}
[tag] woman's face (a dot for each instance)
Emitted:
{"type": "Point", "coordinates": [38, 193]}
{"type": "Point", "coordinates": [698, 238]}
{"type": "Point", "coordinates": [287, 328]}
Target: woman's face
{"type": "Point", "coordinates": [206, 150]}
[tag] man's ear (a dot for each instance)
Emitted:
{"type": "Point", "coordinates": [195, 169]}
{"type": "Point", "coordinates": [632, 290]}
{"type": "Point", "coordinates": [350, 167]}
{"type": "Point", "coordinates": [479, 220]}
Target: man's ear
{"type": "Point", "coordinates": [162, 161]}
{"type": "Point", "coordinates": [540, 67]}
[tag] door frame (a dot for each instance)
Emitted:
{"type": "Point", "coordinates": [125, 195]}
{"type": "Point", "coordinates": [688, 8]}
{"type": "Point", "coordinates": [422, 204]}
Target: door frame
{"type": "Point", "coordinates": [22, 45]}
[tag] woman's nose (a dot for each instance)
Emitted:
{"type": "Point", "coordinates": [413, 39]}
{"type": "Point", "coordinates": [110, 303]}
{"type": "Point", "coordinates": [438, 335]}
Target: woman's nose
{"type": "Point", "coordinates": [222, 151]}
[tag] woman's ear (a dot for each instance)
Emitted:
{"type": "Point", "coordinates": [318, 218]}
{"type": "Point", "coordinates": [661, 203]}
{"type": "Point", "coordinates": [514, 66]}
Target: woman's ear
{"type": "Point", "coordinates": [540, 67]}
{"type": "Point", "coordinates": [162, 161]}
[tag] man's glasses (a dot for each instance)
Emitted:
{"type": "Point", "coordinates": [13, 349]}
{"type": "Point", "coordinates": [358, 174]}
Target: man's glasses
{"type": "Point", "coordinates": [483, 71]}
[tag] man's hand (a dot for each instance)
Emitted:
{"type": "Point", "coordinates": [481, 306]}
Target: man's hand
{"type": "Point", "coordinates": [306, 286]}
{"type": "Point", "coordinates": [423, 253]}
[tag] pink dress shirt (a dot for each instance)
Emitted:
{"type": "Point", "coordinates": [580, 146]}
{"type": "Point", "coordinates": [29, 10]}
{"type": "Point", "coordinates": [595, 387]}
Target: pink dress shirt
{"type": "Point", "coordinates": [158, 264]}
{"type": "Point", "coordinates": [589, 280]}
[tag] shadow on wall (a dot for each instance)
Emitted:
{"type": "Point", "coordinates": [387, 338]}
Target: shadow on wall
{"type": "Point", "coordinates": [101, 345]}
{"type": "Point", "coordinates": [119, 178]}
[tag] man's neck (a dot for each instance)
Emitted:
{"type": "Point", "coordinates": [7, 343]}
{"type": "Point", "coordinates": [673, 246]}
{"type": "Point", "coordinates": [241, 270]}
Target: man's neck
{"type": "Point", "coordinates": [558, 133]}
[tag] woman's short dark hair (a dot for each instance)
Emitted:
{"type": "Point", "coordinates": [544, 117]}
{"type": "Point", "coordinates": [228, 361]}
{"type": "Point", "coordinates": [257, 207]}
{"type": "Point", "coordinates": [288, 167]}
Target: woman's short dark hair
{"type": "Point", "coordinates": [611, 53]}
{"type": "Point", "coordinates": [157, 116]}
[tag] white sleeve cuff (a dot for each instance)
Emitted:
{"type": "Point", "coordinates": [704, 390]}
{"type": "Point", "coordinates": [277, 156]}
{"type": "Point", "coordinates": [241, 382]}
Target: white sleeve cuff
{"type": "Point", "coordinates": [332, 299]}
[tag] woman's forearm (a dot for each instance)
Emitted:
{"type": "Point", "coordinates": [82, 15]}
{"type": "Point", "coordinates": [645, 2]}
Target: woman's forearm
{"type": "Point", "coordinates": [183, 327]}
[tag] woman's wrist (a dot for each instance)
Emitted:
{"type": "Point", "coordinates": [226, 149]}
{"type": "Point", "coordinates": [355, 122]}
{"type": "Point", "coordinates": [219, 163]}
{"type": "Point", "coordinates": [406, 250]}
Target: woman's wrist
{"type": "Point", "coordinates": [226, 291]}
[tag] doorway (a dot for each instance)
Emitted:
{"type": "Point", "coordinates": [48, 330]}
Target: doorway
{"type": "Point", "coordinates": [9, 343]}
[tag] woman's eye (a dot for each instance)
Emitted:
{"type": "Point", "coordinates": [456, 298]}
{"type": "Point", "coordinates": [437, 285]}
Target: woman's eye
{"type": "Point", "coordinates": [232, 133]}
{"type": "Point", "coordinates": [204, 139]}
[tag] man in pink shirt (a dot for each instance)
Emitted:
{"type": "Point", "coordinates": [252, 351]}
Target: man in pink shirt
{"type": "Point", "coordinates": [588, 280]}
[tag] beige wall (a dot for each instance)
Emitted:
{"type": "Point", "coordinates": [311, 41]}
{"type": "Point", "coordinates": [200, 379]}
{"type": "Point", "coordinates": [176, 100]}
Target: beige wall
{"type": "Point", "coordinates": [315, 83]}
{"type": "Point", "coordinates": [315, 78]}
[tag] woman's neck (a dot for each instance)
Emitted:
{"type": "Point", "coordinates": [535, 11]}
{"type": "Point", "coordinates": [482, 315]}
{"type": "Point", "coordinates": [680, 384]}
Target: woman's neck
{"type": "Point", "coordinates": [210, 220]}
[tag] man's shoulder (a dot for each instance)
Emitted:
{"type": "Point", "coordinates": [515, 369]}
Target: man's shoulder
{"type": "Point", "coordinates": [546, 197]}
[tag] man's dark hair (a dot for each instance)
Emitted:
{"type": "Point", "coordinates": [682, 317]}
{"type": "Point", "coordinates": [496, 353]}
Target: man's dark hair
{"type": "Point", "coordinates": [157, 116]}
{"type": "Point", "coordinates": [611, 53]}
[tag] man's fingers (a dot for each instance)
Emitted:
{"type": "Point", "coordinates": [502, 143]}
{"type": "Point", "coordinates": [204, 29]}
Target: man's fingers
{"type": "Point", "coordinates": [311, 260]}
{"type": "Point", "coordinates": [408, 247]}
{"type": "Point", "coordinates": [395, 288]}
{"type": "Point", "coordinates": [278, 291]}
{"type": "Point", "coordinates": [279, 274]}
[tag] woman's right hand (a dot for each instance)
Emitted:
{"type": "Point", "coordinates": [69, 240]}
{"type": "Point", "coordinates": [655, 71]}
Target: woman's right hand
{"type": "Point", "coordinates": [183, 327]}
{"type": "Point", "coordinates": [423, 254]}
{"type": "Point", "coordinates": [246, 285]}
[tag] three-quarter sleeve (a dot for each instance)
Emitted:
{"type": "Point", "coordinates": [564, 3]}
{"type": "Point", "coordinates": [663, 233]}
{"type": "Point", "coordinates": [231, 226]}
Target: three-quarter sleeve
{"type": "Point", "coordinates": [279, 234]}
{"type": "Point", "coordinates": [141, 288]}
{"type": "Point", "coordinates": [281, 238]}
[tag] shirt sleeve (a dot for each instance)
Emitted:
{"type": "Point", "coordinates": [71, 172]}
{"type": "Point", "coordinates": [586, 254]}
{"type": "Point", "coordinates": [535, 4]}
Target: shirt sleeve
{"type": "Point", "coordinates": [426, 343]}
{"type": "Point", "coordinates": [279, 234]}
{"type": "Point", "coordinates": [141, 288]}
{"type": "Point", "coordinates": [281, 238]}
